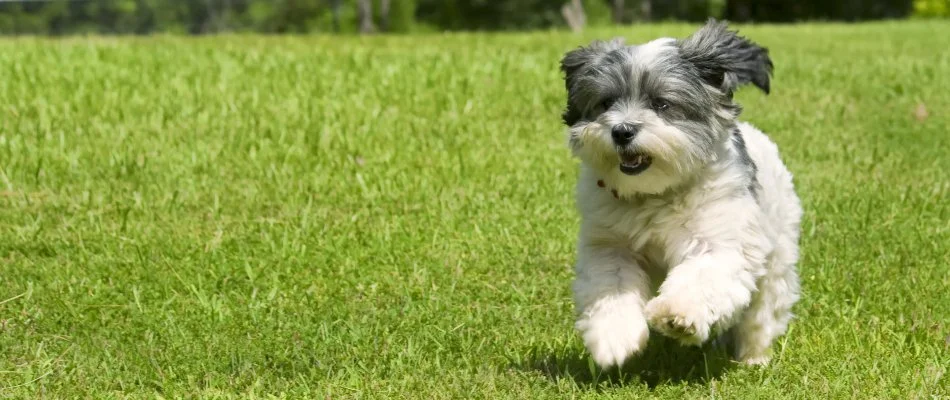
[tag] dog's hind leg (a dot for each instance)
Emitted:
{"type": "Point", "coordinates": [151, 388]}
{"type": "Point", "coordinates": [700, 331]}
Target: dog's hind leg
{"type": "Point", "coordinates": [768, 314]}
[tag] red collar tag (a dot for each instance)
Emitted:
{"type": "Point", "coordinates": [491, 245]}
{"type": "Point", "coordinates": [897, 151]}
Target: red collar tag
{"type": "Point", "coordinates": [600, 183]}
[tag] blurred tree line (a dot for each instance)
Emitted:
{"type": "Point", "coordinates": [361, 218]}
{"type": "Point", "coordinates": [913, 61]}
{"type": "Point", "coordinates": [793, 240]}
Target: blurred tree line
{"type": "Point", "coordinates": [60, 17]}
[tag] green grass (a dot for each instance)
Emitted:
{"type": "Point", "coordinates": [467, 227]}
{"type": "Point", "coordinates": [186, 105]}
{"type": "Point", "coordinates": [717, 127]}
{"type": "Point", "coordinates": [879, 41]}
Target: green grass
{"type": "Point", "coordinates": [317, 217]}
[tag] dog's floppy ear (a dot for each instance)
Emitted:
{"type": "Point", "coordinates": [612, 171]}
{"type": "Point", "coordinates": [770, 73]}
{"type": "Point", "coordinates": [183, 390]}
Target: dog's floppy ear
{"type": "Point", "coordinates": [725, 59]}
{"type": "Point", "coordinates": [574, 65]}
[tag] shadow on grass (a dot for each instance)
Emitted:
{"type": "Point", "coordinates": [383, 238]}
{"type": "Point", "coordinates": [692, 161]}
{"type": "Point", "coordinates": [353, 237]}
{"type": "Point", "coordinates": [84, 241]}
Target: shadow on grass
{"type": "Point", "coordinates": [663, 362]}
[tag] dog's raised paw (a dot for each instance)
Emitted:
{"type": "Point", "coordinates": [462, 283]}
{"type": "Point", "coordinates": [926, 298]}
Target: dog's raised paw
{"type": "Point", "coordinates": [679, 320]}
{"type": "Point", "coordinates": [678, 326]}
{"type": "Point", "coordinates": [756, 361]}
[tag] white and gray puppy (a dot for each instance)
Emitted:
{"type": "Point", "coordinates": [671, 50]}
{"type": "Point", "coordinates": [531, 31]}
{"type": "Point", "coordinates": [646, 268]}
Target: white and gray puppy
{"type": "Point", "coordinates": [674, 190]}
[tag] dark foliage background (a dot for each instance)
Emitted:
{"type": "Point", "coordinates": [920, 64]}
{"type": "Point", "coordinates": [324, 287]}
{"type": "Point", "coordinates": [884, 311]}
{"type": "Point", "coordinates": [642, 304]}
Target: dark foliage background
{"type": "Point", "coordinates": [60, 17]}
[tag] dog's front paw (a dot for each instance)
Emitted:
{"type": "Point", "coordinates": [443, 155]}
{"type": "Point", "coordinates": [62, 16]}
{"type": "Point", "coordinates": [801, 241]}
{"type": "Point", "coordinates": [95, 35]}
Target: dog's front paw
{"type": "Point", "coordinates": [613, 335]}
{"type": "Point", "coordinates": [756, 360]}
{"type": "Point", "coordinates": [679, 318]}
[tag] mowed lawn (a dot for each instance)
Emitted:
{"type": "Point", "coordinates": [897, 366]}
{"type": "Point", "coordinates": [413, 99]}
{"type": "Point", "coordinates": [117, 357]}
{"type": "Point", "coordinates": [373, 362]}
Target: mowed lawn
{"type": "Point", "coordinates": [393, 217]}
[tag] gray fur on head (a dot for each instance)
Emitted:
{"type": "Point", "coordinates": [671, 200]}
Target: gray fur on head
{"type": "Point", "coordinates": [579, 62]}
{"type": "Point", "coordinates": [718, 56]}
{"type": "Point", "coordinates": [725, 59]}
{"type": "Point", "coordinates": [673, 96]}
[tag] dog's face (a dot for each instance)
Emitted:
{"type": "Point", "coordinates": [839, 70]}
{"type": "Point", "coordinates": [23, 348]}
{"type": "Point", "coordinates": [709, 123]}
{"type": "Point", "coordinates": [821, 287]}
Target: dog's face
{"type": "Point", "coordinates": [649, 116]}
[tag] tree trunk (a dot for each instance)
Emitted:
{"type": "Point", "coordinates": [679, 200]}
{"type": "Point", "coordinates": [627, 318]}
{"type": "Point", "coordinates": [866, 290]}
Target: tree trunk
{"type": "Point", "coordinates": [210, 21]}
{"type": "Point", "coordinates": [618, 12]}
{"type": "Point", "coordinates": [384, 15]}
{"type": "Point", "coordinates": [573, 13]}
{"type": "Point", "coordinates": [225, 22]}
{"type": "Point", "coordinates": [366, 16]}
{"type": "Point", "coordinates": [646, 10]}
{"type": "Point", "coordinates": [335, 13]}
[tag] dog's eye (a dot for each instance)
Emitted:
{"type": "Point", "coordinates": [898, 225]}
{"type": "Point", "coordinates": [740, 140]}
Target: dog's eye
{"type": "Point", "coordinates": [606, 104]}
{"type": "Point", "coordinates": [660, 105]}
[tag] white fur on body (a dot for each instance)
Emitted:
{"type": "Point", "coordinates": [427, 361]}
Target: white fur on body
{"type": "Point", "coordinates": [721, 257]}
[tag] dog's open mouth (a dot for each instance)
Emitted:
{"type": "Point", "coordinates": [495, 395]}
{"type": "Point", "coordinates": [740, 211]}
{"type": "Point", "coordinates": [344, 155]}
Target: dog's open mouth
{"type": "Point", "coordinates": [634, 163]}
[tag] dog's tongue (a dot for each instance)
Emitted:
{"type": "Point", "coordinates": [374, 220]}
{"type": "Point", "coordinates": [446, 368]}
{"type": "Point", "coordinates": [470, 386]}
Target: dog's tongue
{"type": "Point", "coordinates": [633, 164]}
{"type": "Point", "coordinates": [633, 161]}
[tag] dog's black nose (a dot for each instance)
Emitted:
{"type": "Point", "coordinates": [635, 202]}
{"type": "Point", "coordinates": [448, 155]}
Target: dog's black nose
{"type": "Point", "coordinates": [623, 134]}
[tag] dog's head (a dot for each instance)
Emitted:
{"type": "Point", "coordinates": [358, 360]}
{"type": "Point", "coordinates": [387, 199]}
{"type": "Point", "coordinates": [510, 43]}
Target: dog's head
{"type": "Point", "coordinates": [649, 116]}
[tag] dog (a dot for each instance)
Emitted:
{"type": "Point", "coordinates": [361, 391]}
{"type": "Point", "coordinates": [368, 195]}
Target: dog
{"type": "Point", "coordinates": [689, 218]}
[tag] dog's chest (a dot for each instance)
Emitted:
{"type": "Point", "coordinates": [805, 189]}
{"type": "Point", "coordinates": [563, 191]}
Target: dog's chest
{"type": "Point", "coordinates": [652, 227]}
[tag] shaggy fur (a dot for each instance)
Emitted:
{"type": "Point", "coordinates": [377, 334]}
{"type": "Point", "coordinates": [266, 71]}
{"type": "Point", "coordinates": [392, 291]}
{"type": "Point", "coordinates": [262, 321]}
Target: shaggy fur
{"type": "Point", "coordinates": [690, 221]}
